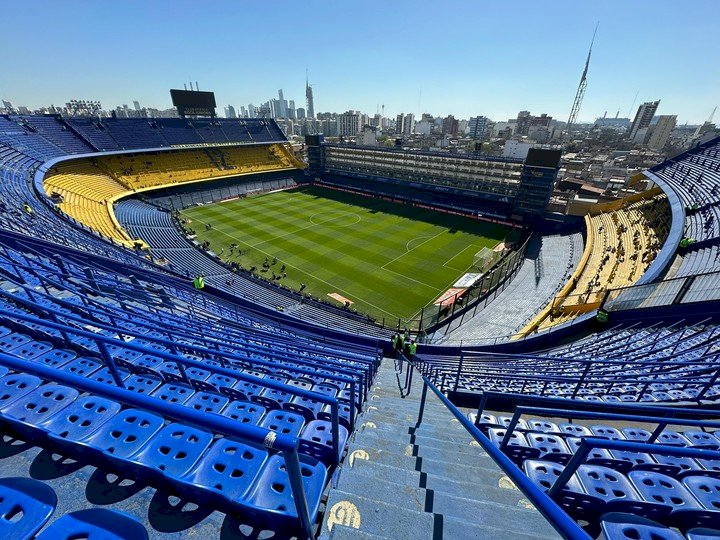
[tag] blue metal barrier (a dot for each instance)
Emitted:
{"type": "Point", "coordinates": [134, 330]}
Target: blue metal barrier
{"type": "Point", "coordinates": [562, 523]}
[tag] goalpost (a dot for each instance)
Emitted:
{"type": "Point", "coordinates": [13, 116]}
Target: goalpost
{"type": "Point", "coordinates": [485, 258]}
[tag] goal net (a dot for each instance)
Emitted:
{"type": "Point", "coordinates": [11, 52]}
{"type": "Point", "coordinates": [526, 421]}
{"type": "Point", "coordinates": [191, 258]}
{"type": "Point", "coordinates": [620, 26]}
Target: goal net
{"type": "Point", "coordinates": [485, 258]}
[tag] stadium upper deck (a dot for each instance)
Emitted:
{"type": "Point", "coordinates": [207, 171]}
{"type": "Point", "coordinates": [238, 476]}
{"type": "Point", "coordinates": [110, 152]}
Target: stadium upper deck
{"type": "Point", "coordinates": [95, 348]}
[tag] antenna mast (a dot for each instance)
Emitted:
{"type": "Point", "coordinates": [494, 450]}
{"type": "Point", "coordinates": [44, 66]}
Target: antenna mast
{"type": "Point", "coordinates": [581, 88]}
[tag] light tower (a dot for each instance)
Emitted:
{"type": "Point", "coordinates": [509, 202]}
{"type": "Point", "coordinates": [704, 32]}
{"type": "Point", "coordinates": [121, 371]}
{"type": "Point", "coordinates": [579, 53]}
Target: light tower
{"type": "Point", "coordinates": [581, 89]}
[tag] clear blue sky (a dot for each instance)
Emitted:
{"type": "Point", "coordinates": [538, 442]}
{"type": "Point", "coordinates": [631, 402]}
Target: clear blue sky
{"type": "Point", "coordinates": [443, 57]}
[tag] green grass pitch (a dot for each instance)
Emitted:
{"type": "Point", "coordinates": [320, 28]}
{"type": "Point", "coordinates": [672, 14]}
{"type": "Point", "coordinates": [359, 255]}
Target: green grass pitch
{"type": "Point", "coordinates": [389, 259]}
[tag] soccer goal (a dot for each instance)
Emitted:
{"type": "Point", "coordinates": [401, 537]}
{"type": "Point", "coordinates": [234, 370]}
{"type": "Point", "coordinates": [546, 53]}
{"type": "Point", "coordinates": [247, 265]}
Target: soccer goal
{"type": "Point", "coordinates": [485, 258]}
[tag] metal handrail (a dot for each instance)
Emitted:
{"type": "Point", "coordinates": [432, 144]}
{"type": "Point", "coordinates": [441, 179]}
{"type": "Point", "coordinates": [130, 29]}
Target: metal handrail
{"type": "Point", "coordinates": [562, 523]}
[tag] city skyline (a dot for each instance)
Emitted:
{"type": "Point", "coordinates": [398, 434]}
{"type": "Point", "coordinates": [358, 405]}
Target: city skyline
{"type": "Point", "coordinates": [491, 69]}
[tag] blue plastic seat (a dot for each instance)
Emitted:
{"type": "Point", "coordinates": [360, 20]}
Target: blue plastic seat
{"type": "Point", "coordinates": [16, 385]}
{"type": "Point", "coordinates": [662, 490]}
{"type": "Point", "coordinates": [142, 384]}
{"type": "Point", "coordinates": [504, 421]}
{"type": "Point", "coordinates": [56, 357]}
{"type": "Point", "coordinates": [272, 492]}
{"type": "Point", "coordinates": [207, 402]}
{"type": "Point", "coordinates": [672, 438]}
{"type": "Point", "coordinates": [228, 468]}
{"type": "Point", "coordinates": [31, 349]}
{"type": "Point", "coordinates": [702, 439]}
{"type": "Point", "coordinates": [80, 419]}
{"type": "Point", "coordinates": [571, 497]}
{"type": "Point", "coordinates": [544, 426]}
{"type": "Point", "coordinates": [636, 434]}
{"type": "Point", "coordinates": [276, 396]}
{"type": "Point", "coordinates": [518, 448]}
{"type": "Point", "coordinates": [123, 435]}
{"type": "Point", "coordinates": [173, 451]}
{"type": "Point", "coordinates": [309, 408]}
{"type": "Point", "coordinates": [82, 366]}
{"type": "Point", "coordinates": [607, 432]}
{"type": "Point", "coordinates": [11, 341]}
{"type": "Point", "coordinates": [173, 393]}
{"type": "Point", "coordinates": [104, 376]}
{"type": "Point", "coordinates": [706, 490]}
{"type": "Point", "coordinates": [25, 506]}
{"type": "Point", "coordinates": [622, 526]}
{"type": "Point", "coordinates": [27, 413]}
{"type": "Point", "coordinates": [551, 447]}
{"type": "Point", "coordinates": [95, 524]}
{"type": "Point", "coordinates": [575, 430]}
{"type": "Point", "coordinates": [245, 412]}
{"type": "Point", "coordinates": [221, 381]}
{"type": "Point", "coordinates": [283, 422]}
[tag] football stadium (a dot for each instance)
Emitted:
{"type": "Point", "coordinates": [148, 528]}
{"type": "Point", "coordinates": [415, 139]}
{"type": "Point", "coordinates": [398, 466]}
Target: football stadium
{"type": "Point", "coordinates": [218, 328]}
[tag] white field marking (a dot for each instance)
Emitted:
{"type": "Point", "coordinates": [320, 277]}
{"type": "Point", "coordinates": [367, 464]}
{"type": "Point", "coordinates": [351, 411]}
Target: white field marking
{"type": "Point", "coordinates": [407, 244]}
{"type": "Point", "coordinates": [384, 266]}
{"type": "Point", "coordinates": [307, 274]}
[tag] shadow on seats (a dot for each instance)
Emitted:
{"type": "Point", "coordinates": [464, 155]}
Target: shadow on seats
{"type": "Point", "coordinates": [107, 488]}
{"type": "Point", "coordinates": [169, 513]}
{"type": "Point", "coordinates": [47, 466]}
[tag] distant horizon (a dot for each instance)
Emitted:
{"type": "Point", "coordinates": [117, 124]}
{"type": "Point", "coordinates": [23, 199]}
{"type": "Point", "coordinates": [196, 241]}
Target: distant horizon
{"type": "Point", "coordinates": [471, 59]}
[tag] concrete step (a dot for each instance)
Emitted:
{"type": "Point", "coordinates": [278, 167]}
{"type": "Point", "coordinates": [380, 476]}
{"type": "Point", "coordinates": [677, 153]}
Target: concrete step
{"type": "Point", "coordinates": [386, 489]}
{"type": "Point", "coordinates": [523, 519]}
{"type": "Point", "coordinates": [460, 528]}
{"type": "Point", "coordinates": [445, 431]}
{"type": "Point", "coordinates": [376, 517]}
{"type": "Point", "coordinates": [469, 447]}
{"type": "Point", "coordinates": [497, 488]}
{"type": "Point", "coordinates": [346, 533]}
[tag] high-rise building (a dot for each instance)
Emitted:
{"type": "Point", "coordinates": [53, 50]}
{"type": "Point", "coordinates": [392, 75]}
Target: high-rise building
{"type": "Point", "coordinates": [450, 126]}
{"type": "Point", "coordinates": [243, 111]}
{"type": "Point", "coordinates": [477, 127]}
{"type": "Point", "coordinates": [137, 105]}
{"type": "Point", "coordinates": [348, 124]}
{"type": "Point", "coordinates": [281, 105]}
{"type": "Point", "coordinates": [644, 116]}
{"type": "Point", "coordinates": [309, 98]}
{"type": "Point", "coordinates": [230, 112]}
{"type": "Point", "coordinates": [251, 111]}
{"type": "Point", "coordinates": [405, 124]}
{"type": "Point", "coordinates": [300, 113]}
{"type": "Point", "coordinates": [661, 131]}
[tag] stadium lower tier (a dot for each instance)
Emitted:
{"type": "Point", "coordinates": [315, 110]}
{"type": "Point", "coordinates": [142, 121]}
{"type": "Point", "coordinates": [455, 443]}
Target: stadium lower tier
{"type": "Point", "coordinates": [87, 189]}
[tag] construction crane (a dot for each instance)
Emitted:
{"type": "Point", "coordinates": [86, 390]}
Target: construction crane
{"type": "Point", "coordinates": [581, 89]}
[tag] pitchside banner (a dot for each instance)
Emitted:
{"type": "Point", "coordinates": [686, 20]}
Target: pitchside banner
{"type": "Point", "coordinates": [448, 297]}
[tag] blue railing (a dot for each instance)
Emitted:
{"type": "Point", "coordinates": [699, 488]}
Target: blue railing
{"type": "Point", "coordinates": [562, 523]}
